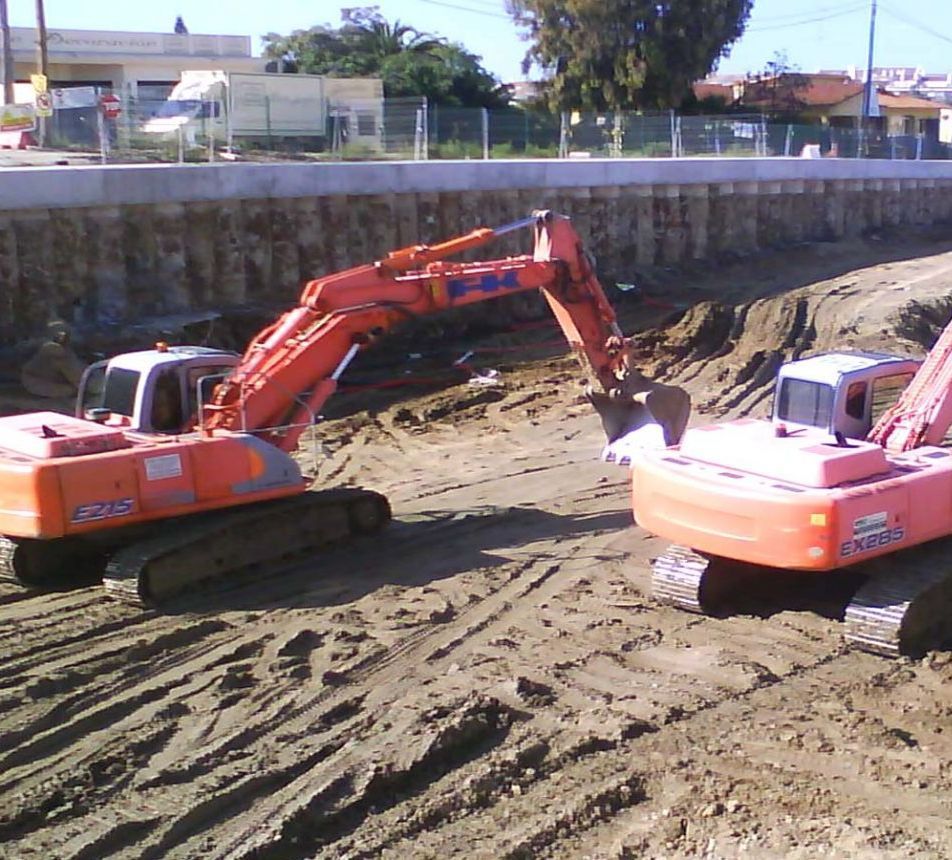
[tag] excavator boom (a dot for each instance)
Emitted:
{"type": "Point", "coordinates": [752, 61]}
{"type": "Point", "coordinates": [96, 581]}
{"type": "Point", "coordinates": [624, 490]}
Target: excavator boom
{"type": "Point", "coordinates": [923, 413]}
{"type": "Point", "coordinates": [293, 366]}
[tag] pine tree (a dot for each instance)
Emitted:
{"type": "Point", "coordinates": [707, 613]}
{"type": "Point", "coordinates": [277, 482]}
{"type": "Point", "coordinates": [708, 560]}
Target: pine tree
{"type": "Point", "coordinates": [624, 54]}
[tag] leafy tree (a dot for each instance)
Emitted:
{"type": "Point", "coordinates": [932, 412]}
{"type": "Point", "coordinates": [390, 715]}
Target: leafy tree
{"type": "Point", "coordinates": [410, 62]}
{"type": "Point", "coordinates": [617, 54]}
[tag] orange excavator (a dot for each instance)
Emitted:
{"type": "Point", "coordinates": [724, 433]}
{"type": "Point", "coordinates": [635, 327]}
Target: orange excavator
{"type": "Point", "coordinates": [177, 466]}
{"type": "Point", "coordinates": [848, 477]}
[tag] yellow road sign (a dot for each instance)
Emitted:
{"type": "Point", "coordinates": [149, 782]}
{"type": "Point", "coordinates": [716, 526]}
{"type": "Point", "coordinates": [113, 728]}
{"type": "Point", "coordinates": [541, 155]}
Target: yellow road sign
{"type": "Point", "coordinates": [39, 83]}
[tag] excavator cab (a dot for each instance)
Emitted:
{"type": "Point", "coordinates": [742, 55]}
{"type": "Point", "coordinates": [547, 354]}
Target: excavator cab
{"type": "Point", "coordinates": [153, 391]}
{"type": "Point", "coordinates": [843, 393]}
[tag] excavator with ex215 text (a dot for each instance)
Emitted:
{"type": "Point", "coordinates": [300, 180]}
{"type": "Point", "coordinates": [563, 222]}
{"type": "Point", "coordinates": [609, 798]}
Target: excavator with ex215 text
{"type": "Point", "coordinates": [178, 467]}
{"type": "Point", "coordinates": [848, 478]}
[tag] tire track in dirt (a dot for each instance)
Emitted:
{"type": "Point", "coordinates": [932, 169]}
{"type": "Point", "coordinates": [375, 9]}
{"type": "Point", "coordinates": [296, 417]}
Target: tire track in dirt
{"type": "Point", "coordinates": [583, 799]}
{"type": "Point", "coordinates": [385, 670]}
{"type": "Point", "coordinates": [319, 799]}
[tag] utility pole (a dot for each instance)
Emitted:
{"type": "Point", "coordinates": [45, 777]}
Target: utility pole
{"type": "Point", "coordinates": [7, 55]}
{"type": "Point", "coordinates": [868, 91]}
{"type": "Point", "coordinates": [42, 58]}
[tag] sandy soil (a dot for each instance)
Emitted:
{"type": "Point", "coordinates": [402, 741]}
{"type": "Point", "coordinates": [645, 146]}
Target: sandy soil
{"type": "Point", "coordinates": [488, 678]}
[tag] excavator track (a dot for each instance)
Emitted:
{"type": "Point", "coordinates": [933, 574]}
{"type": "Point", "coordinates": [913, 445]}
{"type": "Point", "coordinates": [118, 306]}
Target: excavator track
{"type": "Point", "coordinates": [905, 606]}
{"type": "Point", "coordinates": [49, 563]}
{"type": "Point", "coordinates": [901, 607]}
{"type": "Point", "coordinates": [193, 552]}
{"type": "Point", "coordinates": [704, 584]}
{"type": "Point", "coordinates": [676, 578]}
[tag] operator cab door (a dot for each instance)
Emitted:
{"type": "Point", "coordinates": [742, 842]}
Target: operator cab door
{"type": "Point", "coordinates": [177, 391]}
{"type": "Point", "coordinates": [851, 416]}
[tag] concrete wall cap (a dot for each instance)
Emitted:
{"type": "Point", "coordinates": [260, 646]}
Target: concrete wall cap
{"type": "Point", "coordinates": [132, 184]}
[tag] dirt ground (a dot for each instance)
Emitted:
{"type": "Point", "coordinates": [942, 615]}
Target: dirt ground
{"type": "Point", "coordinates": [488, 678]}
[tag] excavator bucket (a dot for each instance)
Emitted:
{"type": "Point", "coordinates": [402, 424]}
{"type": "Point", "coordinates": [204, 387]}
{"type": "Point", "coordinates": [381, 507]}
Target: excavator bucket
{"type": "Point", "coordinates": [639, 414]}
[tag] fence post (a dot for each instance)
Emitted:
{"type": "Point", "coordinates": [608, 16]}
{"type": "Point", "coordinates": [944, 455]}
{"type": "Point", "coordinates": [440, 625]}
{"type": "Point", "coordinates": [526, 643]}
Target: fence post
{"type": "Point", "coordinates": [267, 119]}
{"type": "Point", "coordinates": [418, 134]}
{"type": "Point", "coordinates": [181, 145]}
{"type": "Point", "coordinates": [103, 138]}
{"type": "Point", "coordinates": [892, 147]}
{"type": "Point", "coordinates": [211, 136]}
{"type": "Point", "coordinates": [564, 135]}
{"type": "Point", "coordinates": [918, 147]}
{"type": "Point", "coordinates": [125, 124]}
{"type": "Point", "coordinates": [485, 118]}
{"type": "Point", "coordinates": [788, 140]}
{"type": "Point", "coordinates": [674, 141]}
{"type": "Point", "coordinates": [717, 137]}
{"type": "Point", "coordinates": [426, 129]}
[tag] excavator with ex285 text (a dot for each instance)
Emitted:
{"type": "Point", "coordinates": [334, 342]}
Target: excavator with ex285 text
{"type": "Point", "coordinates": [178, 467]}
{"type": "Point", "coordinates": [848, 478]}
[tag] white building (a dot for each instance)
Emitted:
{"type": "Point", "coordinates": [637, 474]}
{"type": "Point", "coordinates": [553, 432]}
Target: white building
{"type": "Point", "coordinates": [908, 80]}
{"type": "Point", "coordinates": [143, 65]}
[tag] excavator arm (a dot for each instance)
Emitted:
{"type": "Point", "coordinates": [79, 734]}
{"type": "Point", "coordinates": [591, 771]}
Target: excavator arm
{"type": "Point", "coordinates": [923, 413]}
{"type": "Point", "coordinates": [293, 366]}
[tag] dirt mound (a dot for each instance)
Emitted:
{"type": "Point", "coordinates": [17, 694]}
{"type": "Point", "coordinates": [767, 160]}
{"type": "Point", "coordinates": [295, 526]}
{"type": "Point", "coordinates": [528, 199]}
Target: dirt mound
{"type": "Point", "coordinates": [729, 354]}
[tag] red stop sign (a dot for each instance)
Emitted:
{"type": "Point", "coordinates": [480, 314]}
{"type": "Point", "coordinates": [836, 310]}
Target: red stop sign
{"type": "Point", "coordinates": [110, 106]}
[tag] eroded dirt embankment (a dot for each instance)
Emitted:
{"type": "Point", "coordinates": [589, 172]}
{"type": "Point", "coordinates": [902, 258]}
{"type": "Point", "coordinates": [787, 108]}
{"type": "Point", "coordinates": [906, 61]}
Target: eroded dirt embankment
{"type": "Point", "coordinates": [488, 678]}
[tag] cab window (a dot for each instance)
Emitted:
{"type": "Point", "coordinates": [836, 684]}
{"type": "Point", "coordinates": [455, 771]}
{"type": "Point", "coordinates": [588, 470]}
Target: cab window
{"type": "Point", "coordinates": [805, 402]}
{"type": "Point", "coordinates": [119, 391]}
{"type": "Point", "coordinates": [856, 400]}
{"type": "Point", "coordinates": [167, 403]}
{"type": "Point", "coordinates": [207, 378]}
{"type": "Point", "coordinates": [886, 391]}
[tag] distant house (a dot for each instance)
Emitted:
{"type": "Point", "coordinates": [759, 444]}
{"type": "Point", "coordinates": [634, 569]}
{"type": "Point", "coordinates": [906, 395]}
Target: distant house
{"type": "Point", "coordinates": [725, 93]}
{"type": "Point", "coordinates": [526, 92]}
{"type": "Point", "coordinates": [829, 97]}
{"type": "Point", "coordinates": [906, 80]}
{"type": "Point", "coordinates": [906, 114]}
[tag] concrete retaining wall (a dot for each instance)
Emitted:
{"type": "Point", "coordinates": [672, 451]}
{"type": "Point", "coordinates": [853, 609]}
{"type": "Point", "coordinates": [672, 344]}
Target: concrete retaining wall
{"type": "Point", "coordinates": [114, 243]}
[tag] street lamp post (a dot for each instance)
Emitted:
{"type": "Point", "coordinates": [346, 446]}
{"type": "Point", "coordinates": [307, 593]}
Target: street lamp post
{"type": "Point", "coordinates": [868, 90]}
{"type": "Point", "coordinates": [7, 56]}
{"type": "Point", "coordinates": [42, 58]}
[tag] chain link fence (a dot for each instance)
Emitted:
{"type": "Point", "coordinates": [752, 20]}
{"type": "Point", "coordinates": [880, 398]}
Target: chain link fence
{"type": "Point", "coordinates": [151, 127]}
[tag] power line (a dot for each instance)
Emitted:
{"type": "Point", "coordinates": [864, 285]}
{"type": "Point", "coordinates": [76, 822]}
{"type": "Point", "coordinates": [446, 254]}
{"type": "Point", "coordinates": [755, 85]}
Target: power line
{"type": "Point", "coordinates": [492, 4]}
{"type": "Point", "coordinates": [849, 11]}
{"type": "Point", "coordinates": [912, 22]}
{"type": "Point", "coordinates": [820, 11]}
{"type": "Point", "coordinates": [797, 19]}
{"type": "Point", "coordinates": [469, 9]}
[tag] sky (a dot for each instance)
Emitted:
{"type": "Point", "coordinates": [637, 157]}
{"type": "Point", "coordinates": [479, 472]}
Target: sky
{"type": "Point", "coordinates": [820, 34]}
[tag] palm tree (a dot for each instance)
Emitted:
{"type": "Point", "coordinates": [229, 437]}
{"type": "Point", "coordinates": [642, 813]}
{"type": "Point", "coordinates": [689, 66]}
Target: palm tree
{"type": "Point", "coordinates": [377, 38]}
